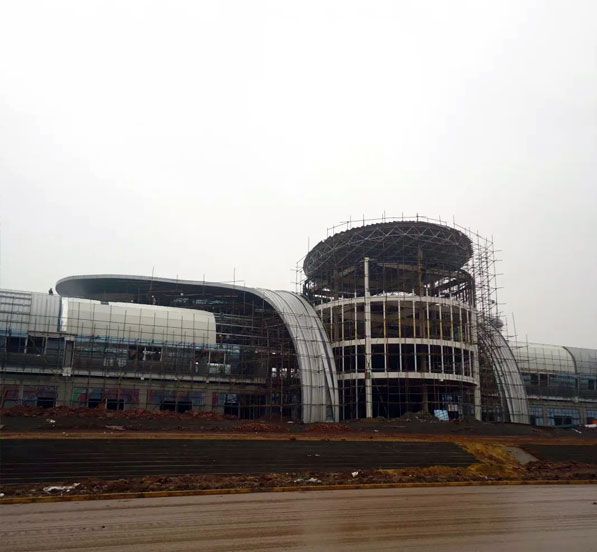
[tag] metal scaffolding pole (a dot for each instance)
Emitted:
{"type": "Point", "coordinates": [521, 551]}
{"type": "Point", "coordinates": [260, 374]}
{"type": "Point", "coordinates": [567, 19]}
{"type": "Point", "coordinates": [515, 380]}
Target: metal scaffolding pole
{"type": "Point", "coordinates": [367, 310]}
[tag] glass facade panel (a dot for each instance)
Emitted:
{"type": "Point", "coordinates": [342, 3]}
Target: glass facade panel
{"type": "Point", "coordinates": [563, 416]}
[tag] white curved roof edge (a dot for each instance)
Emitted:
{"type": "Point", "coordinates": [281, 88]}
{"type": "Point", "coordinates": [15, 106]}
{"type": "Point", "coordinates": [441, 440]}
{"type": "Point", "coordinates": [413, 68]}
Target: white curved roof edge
{"type": "Point", "coordinates": [509, 381]}
{"type": "Point", "coordinates": [151, 279]}
{"type": "Point", "coordinates": [319, 381]}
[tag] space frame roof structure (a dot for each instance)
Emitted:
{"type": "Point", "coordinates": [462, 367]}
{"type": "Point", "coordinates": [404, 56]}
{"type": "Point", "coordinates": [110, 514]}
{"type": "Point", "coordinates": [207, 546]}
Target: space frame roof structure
{"type": "Point", "coordinates": [399, 241]}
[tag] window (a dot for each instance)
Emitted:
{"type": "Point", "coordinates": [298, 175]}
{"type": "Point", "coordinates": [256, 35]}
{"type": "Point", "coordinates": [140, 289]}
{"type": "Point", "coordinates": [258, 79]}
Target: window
{"type": "Point", "coordinates": [54, 346]}
{"type": "Point", "coordinates": [377, 358]}
{"type": "Point", "coordinates": [539, 379]}
{"type": "Point", "coordinates": [407, 320]}
{"type": "Point", "coordinates": [562, 420]}
{"type": "Point", "coordinates": [360, 321]}
{"type": "Point", "coordinates": [408, 358]}
{"type": "Point", "coordinates": [562, 380]}
{"type": "Point", "coordinates": [434, 321]}
{"type": "Point", "coordinates": [46, 402]}
{"type": "Point", "coordinates": [133, 352]}
{"type": "Point", "coordinates": [448, 353]}
{"type": "Point", "coordinates": [536, 415]}
{"type": "Point", "coordinates": [377, 320]}
{"type": "Point", "coordinates": [151, 353]}
{"type": "Point", "coordinates": [184, 406]}
{"type": "Point", "coordinates": [36, 345]}
{"type": "Point", "coordinates": [394, 358]}
{"type": "Point", "coordinates": [144, 352]}
{"type": "Point", "coordinates": [171, 405]}
{"type": "Point", "coordinates": [458, 361]}
{"type": "Point", "coordinates": [336, 330]}
{"type": "Point", "coordinates": [563, 416]}
{"type": "Point", "coordinates": [115, 404]}
{"type": "Point", "coordinates": [349, 324]}
{"type": "Point", "coordinates": [392, 319]}
{"type": "Point", "coordinates": [360, 358]}
{"type": "Point", "coordinates": [436, 358]}
{"type": "Point", "coordinates": [15, 344]}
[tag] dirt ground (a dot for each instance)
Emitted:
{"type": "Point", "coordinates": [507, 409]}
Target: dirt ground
{"type": "Point", "coordinates": [493, 466]}
{"type": "Point", "coordinates": [43, 461]}
{"type": "Point", "coordinates": [62, 419]}
{"type": "Point", "coordinates": [486, 442]}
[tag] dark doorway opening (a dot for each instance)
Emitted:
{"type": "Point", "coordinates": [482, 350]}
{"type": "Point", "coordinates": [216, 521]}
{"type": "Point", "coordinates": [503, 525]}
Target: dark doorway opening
{"type": "Point", "coordinates": [46, 402]}
{"type": "Point", "coordinates": [115, 404]}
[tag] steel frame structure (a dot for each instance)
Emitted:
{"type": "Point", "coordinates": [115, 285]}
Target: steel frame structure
{"type": "Point", "coordinates": [426, 260]}
{"type": "Point", "coordinates": [280, 324]}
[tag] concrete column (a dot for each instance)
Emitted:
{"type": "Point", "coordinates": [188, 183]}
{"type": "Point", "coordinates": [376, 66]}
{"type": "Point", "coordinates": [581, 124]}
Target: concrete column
{"type": "Point", "coordinates": [476, 369]}
{"type": "Point", "coordinates": [478, 402]}
{"type": "Point", "coordinates": [368, 382]}
{"type": "Point", "coordinates": [142, 396]}
{"type": "Point", "coordinates": [208, 400]}
{"type": "Point", "coordinates": [424, 398]}
{"type": "Point", "coordinates": [65, 392]}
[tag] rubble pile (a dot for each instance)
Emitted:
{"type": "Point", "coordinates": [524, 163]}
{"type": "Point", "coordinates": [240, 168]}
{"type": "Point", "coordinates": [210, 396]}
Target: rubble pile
{"type": "Point", "coordinates": [84, 412]}
{"type": "Point", "coordinates": [327, 429]}
{"type": "Point", "coordinates": [259, 427]}
{"type": "Point", "coordinates": [438, 474]}
{"type": "Point", "coordinates": [418, 417]}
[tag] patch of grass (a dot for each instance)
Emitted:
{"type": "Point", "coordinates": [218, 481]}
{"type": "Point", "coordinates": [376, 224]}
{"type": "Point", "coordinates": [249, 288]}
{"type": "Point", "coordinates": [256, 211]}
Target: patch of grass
{"type": "Point", "coordinates": [494, 461]}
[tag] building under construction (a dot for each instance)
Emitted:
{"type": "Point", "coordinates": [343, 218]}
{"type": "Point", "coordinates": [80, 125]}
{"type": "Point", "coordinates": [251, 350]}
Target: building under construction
{"type": "Point", "coordinates": [389, 317]}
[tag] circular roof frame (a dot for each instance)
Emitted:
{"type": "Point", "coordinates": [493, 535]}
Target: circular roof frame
{"type": "Point", "coordinates": [403, 241]}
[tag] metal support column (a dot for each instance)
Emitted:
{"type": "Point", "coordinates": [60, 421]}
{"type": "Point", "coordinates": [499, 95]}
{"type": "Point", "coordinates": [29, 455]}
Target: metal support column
{"type": "Point", "coordinates": [368, 382]}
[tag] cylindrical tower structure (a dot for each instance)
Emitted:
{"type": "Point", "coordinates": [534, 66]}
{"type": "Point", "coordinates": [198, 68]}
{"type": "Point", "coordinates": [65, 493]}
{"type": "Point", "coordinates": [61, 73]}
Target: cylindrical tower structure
{"type": "Point", "coordinates": [398, 301]}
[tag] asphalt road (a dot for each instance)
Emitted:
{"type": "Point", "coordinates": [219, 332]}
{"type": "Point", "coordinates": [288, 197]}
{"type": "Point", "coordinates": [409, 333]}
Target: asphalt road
{"type": "Point", "coordinates": [508, 518]}
{"type": "Point", "coordinates": [38, 460]}
{"type": "Point", "coordinates": [586, 454]}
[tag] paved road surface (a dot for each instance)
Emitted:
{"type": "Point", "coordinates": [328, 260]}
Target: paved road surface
{"type": "Point", "coordinates": [586, 454]}
{"type": "Point", "coordinates": [29, 461]}
{"type": "Point", "coordinates": [509, 518]}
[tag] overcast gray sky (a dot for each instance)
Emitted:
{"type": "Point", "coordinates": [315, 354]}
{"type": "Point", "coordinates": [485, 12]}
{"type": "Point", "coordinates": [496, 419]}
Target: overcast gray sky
{"type": "Point", "coordinates": [200, 137]}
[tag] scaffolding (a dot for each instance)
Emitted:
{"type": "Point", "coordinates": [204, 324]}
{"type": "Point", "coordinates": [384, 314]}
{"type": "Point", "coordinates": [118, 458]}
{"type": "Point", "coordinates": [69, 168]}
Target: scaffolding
{"type": "Point", "coordinates": [411, 308]}
{"type": "Point", "coordinates": [137, 342]}
{"type": "Point", "coordinates": [63, 354]}
{"type": "Point", "coordinates": [389, 317]}
{"type": "Point", "coordinates": [560, 381]}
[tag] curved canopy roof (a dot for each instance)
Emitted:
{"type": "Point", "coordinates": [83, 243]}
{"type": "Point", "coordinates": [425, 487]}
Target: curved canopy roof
{"type": "Point", "coordinates": [541, 358]}
{"type": "Point", "coordinates": [555, 359]}
{"type": "Point", "coordinates": [585, 360]}
{"type": "Point", "coordinates": [314, 356]}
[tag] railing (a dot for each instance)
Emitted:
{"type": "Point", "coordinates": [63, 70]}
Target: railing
{"type": "Point", "coordinates": [26, 359]}
{"type": "Point", "coordinates": [132, 368]}
{"type": "Point", "coordinates": [565, 391]}
{"type": "Point", "coordinates": [588, 394]}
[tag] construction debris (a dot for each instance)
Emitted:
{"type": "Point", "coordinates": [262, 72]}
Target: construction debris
{"type": "Point", "coordinates": [61, 488]}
